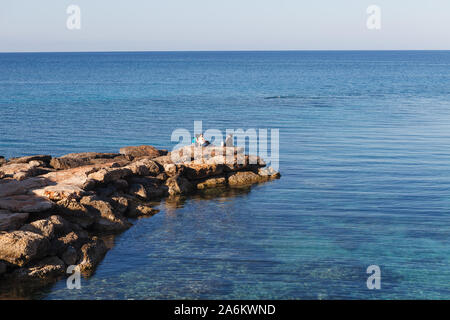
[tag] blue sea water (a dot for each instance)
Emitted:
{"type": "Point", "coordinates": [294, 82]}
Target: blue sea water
{"type": "Point", "coordinates": [364, 157]}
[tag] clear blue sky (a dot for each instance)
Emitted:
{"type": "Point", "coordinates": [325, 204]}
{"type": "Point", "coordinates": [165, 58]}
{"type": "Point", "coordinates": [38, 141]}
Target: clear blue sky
{"type": "Point", "coordinates": [109, 25]}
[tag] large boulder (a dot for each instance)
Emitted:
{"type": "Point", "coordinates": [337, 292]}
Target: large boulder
{"type": "Point", "coordinates": [12, 221]}
{"type": "Point", "coordinates": [140, 209]}
{"type": "Point", "coordinates": [59, 192]}
{"type": "Point", "coordinates": [142, 151]}
{"type": "Point", "coordinates": [21, 247]}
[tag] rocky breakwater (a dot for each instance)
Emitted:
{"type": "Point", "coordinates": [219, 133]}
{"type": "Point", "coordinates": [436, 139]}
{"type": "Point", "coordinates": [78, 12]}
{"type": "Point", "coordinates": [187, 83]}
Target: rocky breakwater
{"type": "Point", "coordinates": [55, 211]}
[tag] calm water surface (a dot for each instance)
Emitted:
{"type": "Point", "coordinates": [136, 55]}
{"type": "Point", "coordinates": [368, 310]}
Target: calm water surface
{"type": "Point", "coordinates": [364, 154]}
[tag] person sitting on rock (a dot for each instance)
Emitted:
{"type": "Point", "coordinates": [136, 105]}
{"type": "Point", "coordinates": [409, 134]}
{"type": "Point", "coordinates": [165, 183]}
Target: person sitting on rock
{"type": "Point", "coordinates": [228, 141]}
{"type": "Point", "coordinates": [202, 142]}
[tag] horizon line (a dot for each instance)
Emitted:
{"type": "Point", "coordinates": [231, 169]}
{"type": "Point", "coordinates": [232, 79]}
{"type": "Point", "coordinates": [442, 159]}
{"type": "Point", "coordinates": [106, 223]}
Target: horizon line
{"type": "Point", "coordinates": [282, 50]}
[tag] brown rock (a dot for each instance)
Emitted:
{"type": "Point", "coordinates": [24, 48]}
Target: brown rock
{"type": "Point", "coordinates": [162, 160]}
{"type": "Point", "coordinates": [137, 209]}
{"type": "Point", "coordinates": [50, 267]}
{"type": "Point", "coordinates": [12, 221]}
{"type": "Point", "coordinates": [73, 239]}
{"type": "Point", "coordinates": [43, 158]}
{"type": "Point", "coordinates": [21, 171]}
{"type": "Point", "coordinates": [21, 247]}
{"type": "Point", "coordinates": [179, 185]}
{"type": "Point", "coordinates": [76, 213]}
{"type": "Point", "coordinates": [92, 254]}
{"type": "Point", "coordinates": [138, 190]}
{"type": "Point", "coordinates": [51, 227]}
{"type": "Point", "coordinates": [107, 219]}
{"type": "Point", "coordinates": [59, 192]}
{"type": "Point", "coordinates": [110, 174]}
{"type": "Point", "coordinates": [212, 182]}
{"type": "Point", "coordinates": [144, 167]}
{"type": "Point", "coordinates": [25, 203]}
{"type": "Point", "coordinates": [194, 171]}
{"type": "Point", "coordinates": [141, 151]}
{"type": "Point", "coordinates": [74, 160]}
{"type": "Point", "coordinates": [244, 178]}
{"type": "Point", "coordinates": [120, 204]}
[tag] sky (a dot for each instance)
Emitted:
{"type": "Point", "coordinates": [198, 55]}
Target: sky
{"type": "Point", "coordinates": [185, 25]}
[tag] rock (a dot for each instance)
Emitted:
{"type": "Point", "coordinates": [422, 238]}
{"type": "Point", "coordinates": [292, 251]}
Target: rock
{"type": "Point", "coordinates": [91, 255]}
{"type": "Point", "coordinates": [59, 192]}
{"type": "Point", "coordinates": [76, 213]}
{"type": "Point", "coordinates": [244, 178]}
{"type": "Point", "coordinates": [212, 182]}
{"type": "Point", "coordinates": [152, 185]}
{"type": "Point", "coordinates": [25, 203]}
{"type": "Point", "coordinates": [269, 172]}
{"type": "Point", "coordinates": [50, 267]}
{"type": "Point", "coordinates": [172, 169]}
{"type": "Point", "coordinates": [179, 185]}
{"type": "Point", "coordinates": [120, 204]}
{"type": "Point", "coordinates": [141, 151]}
{"type": "Point", "coordinates": [137, 209]}
{"type": "Point", "coordinates": [12, 221]}
{"type": "Point", "coordinates": [144, 167]}
{"type": "Point", "coordinates": [163, 160]}
{"type": "Point", "coordinates": [73, 239]}
{"type": "Point", "coordinates": [21, 247]}
{"type": "Point", "coordinates": [237, 162]}
{"type": "Point", "coordinates": [74, 160]}
{"type": "Point", "coordinates": [70, 256]}
{"type": "Point", "coordinates": [108, 220]}
{"type": "Point", "coordinates": [21, 171]}
{"type": "Point", "coordinates": [138, 190]}
{"type": "Point", "coordinates": [110, 175]}
{"type": "Point", "coordinates": [194, 171]}
{"type": "Point", "coordinates": [43, 158]}
{"type": "Point", "coordinates": [51, 227]}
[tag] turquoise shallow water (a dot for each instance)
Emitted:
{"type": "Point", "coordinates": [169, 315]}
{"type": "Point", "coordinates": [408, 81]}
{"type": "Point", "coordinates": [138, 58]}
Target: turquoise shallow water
{"type": "Point", "coordinates": [364, 154]}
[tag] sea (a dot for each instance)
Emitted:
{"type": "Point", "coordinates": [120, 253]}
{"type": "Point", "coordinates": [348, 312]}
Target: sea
{"type": "Point", "coordinates": [364, 154]}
